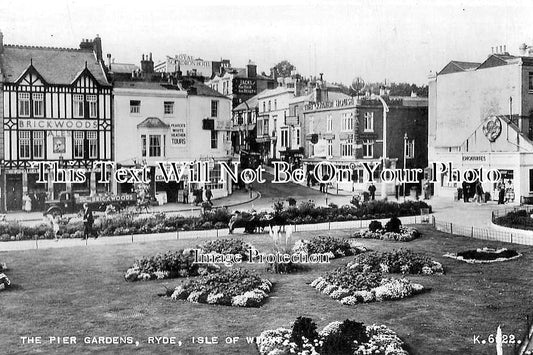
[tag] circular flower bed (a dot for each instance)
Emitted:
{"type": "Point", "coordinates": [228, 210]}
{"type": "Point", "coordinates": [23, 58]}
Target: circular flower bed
{"type": "Point", "coordinates": [231, 287]}
{"type": "Point", "coordinates": [337, 248]}
{"type": "Point", "coordinates": [168, 265]}
{"type": "Point", "coordinates": [406, 234]}
{"type": "Point", "coordinates": [227, 246]}
{"type": "Point", "coordinates": [336, 338]}
{"type": "Point", "coordinates": [352, 285]}
{"type": "Point", "coordinates": [485, 255]}
{"type": "Point", "coordinates": [397, 261]}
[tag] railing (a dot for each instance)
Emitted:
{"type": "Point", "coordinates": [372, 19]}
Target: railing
{"type": "Point", "coordinates": [490, 234]}
{"type": "Point", "coordinates": [503, 212]}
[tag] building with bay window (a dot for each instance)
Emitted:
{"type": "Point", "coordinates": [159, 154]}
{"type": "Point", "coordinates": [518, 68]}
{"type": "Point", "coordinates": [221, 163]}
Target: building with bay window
{"type": "Point", "coordinates": [171, 118]}
{"type": "Point", "coordinates": [56, 107]}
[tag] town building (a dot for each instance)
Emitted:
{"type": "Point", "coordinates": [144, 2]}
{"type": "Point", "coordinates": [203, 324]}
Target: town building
{"type": "Point", "coordinates": [480, 118]}
{"type": "Point", "coordinates": [56, 107]}
{"type": "Point", "coordinates": [191, 66]}
{"type": "Point", "coordinates": [241, 84]}
{"type": "Point", "coordinates": [162, 117]}
{"type": "Point", "coordinates": [349, 131]}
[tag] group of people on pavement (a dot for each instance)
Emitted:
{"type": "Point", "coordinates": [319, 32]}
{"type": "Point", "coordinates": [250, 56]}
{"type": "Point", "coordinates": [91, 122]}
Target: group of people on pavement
{"type": "Point", "coordinates": [475, 191]}
{"type": "Point", "coordinates": [88, 222]}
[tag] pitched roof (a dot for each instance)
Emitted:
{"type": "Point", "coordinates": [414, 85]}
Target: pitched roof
{"type": "Point", "coordinates": [456, 66]}
{"type": "Point", "coordinates": [251, 102]}
{"type": "Point", "coordinates": [152, 122]}
{"type": "Point", "coordinates": [146, 85]}
{"type": "Point", "coordinates": [55, 65]}
{"type": "Point", "coordinates": [123, 67]}
{"type": "Point", "coordinates": [273, 92]}
{"type": "Point", "coordinates": [204, 90]}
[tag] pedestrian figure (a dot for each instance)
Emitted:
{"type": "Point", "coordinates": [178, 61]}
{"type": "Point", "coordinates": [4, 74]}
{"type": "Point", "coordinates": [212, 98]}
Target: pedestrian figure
{"type": "Point", "coordinates": [27, 202]}
{"type": "Point", "coordinates": [185, 193]}
{"type": "Point", "coordinates": [55, 225]}
{"type": "Point", "coordinates": [501, 194]}
{"type": "Point", "coordinates": [88, 220]}
{"type": "Point", "coordinates": [372, 191]}
{"type": "Point", "coordinates": [465, 191]}
{"type": "Point", "coordinates": [479, 193]}
{"type": "Point", "coordinates": [208, 195]}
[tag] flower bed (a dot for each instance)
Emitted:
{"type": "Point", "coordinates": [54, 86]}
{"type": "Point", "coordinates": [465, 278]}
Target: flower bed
{"type": "Point", "coordinates": [168, 265]}
{"type": "Point", "coordinates": [126, 223]}
{"type": "Point", "coordinates": [406, 234]}
{"type": "Point", "coordinates": [397, 261]}
{"type": "Point", "coordinates": [520, 219]}
{"type": "Point", "coordinates": [227, 246]}
{"type": "Point", "coordinates": [336, 338]}
{"type": "Point", "coordinates": [230, 287]}
{"type": "Point", "coordinates": [337, 248]}
{"type": "Point", "coordinates": [353, 285]}
{"type": "Point", "coordinates": [485, 255]}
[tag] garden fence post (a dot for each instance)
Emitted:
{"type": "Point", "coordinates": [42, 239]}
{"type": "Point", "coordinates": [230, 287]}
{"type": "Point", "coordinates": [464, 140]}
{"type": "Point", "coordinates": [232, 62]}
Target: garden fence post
{"type": "Point", "coordinates": [36, 242]}
{"type": "Point", "coordinates": [472, 232]}
{"type": "Point", "coordinates": [132, 237]}
{"type": "Point", "coordinates": [511, 237]}
{"type": "Point", "coordinates": [178, 235]}
{"type": "Point", "coordinates": [329, 225]}
{"type": "Point", "coordinates": [217, 232]}
{"type": "Point", "coordinates": [451, 228]}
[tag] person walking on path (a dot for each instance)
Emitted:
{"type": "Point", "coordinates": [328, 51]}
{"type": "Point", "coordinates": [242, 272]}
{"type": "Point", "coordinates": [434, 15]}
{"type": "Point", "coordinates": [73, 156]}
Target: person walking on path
{"type": "Point", "coordinates": [88, 220]}
{"type": "Point", "coordinates": [208, 195]}
{"type": "Point", "coordinates": [372, 191]}
{"type": "Point", "coordinates": [479, 193]}
{"type": "Point", "coordinates": [27, 202]}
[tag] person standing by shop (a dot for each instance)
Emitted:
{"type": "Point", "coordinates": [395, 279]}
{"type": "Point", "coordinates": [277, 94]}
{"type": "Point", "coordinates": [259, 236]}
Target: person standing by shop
{"type": "Point", "coordinates": [88, 220]}
{"type": "Point", "coordinates": [479, 193]}
{"type": "Point", "coordinates": [501, 194]}
{"type": "Point", "coordinates": [27, 202]}
{"type": "Point", "coordinates": [465, 191]}
{"type": "Point", "coordinates": [208, 195]}
{"type": "Point", "coordinates": [372, 191]}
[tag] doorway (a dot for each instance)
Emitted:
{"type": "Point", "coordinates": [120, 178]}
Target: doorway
{"type": "Point", "coordinates": [14, 192]}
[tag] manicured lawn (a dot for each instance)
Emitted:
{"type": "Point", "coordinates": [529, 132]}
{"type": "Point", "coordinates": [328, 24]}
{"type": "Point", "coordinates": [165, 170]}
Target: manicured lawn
{"type": "Point", "coordinates": [81, 292]}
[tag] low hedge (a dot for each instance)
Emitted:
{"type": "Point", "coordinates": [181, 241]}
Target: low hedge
{"type": "Point", "coordinates": [126, 224]}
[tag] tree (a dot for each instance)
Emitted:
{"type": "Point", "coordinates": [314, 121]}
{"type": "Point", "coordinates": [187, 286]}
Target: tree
{"type": "Point", "coordinates": [283, 69]}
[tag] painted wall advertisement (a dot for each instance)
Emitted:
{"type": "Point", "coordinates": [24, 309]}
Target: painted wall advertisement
{"type": "Point", "coordinates": [178, 134]}
{"type": "Point", "coordinates": [245, 86]}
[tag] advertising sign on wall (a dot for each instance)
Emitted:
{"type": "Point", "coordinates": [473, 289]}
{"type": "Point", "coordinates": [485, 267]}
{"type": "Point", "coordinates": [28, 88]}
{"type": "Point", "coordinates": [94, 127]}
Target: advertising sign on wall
{"type": "Point", "coordinates": [245, 86]}
{"type": "Point", "coordinates": [178, 134]}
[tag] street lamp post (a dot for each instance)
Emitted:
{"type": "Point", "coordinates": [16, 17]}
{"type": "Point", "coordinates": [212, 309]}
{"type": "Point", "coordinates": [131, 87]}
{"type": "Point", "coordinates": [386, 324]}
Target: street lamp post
{"type": "Point", "coordinates": [385, 110]}
{"type": "Point", "coordinates": [404, 160]}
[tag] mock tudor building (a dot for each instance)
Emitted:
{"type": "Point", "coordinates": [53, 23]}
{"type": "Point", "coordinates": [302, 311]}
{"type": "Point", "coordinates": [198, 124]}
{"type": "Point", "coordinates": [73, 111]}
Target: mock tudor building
{"type": "Point", "coordinates": [480, 118]}
{"type": "Point", "coordinates": [57, 107]}
{"type": "Point", "coordinates": [171, 118]}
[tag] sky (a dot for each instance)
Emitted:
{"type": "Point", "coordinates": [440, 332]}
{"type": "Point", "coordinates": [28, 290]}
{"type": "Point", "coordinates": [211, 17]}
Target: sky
{"type": "Point", "coordinates": [377, 40]}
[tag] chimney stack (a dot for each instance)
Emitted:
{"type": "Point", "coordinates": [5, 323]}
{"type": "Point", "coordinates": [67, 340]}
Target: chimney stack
{"type": "Point", "coordinates": [251, 69]}
{"type": "Point", "coordinates": [109, 61]}
{"type": "Point", "coordinates": [147, 64]}
{"type": "Point", "coordinates": [97, 48]}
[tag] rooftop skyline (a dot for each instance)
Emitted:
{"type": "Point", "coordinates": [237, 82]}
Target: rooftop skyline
{"type": "Point", "coordinates": [376, 40]}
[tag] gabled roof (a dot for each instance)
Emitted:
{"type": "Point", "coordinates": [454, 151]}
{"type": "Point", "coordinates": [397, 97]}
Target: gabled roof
{"type": "Point", "coordinates": [456, 66]}
{"type": "Point", "coordinates": [152, 122]}
{"type": "Point", "coordinates": [55, 65]}
{"type": "Point", "coordinates": [496, 60]}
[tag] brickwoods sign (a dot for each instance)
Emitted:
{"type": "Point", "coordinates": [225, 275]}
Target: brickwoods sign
{"type": "Point", "coordinates": [52, 124]}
